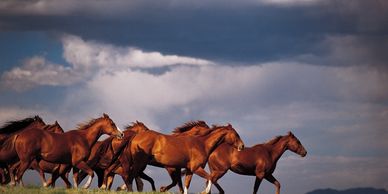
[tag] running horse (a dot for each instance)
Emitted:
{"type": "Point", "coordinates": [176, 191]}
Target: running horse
{"type": "Point", "coordinates": [179, 152]}
{"type": "Point", "coordinates": [191, 128]}
{"type": "Point", "coordinates": [104, 154]}
{"type": "Point", "coordinates": [72, 147]}
{"type": "Point", "coordinates": [123, 160]}
{"type": "Point", "coordinates": [8, 133]}
{"type": "Point", "coordinates": [48, 167]}
{"type": "Point", "coordinates": [259, 160]}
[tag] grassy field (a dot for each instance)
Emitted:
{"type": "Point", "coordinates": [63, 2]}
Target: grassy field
{"type": "Point", "coordinates": [41, 190]}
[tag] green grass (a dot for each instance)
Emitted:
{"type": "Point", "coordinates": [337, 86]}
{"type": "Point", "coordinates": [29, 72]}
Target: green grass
{"type": "Point", "coordinates": [41, 190]}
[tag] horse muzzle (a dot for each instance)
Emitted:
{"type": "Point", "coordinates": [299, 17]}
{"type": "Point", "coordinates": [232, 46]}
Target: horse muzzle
{"type": "Point", "coordinates": [120, 135]}
{"type": "Point", "coordinates": [303, 153]}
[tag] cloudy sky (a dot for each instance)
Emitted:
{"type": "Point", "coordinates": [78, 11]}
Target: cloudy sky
{"type": "Point", "coordinates": [316, 67]}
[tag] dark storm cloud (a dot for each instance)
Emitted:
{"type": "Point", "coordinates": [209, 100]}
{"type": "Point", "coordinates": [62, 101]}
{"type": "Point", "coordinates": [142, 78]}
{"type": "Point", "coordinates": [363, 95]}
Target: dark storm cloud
{"type": "Point", "coordinates": [246, 32]}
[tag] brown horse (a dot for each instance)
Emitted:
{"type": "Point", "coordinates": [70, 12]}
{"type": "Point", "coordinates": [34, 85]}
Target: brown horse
{"type": "Point", "coordinates": [179, 151]}
{"type": "Point", "coordinates": [192, 128]}
{"type": "Point", "coordinates": [72, 147]}
{"type": "Point", "coordinates": [104, 154]}
{"type": "Point", "coordinates": [116, 167]}
{"type": "Point", "coordinates": [259, 160]}
{"type": "Point", "coordinates": [48, 167]}
{"type": "Point", "coordinates": [8, 133]}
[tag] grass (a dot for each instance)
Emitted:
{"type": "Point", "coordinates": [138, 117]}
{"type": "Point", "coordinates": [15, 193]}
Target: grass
{"type": "Point", "coordinates": [41, 190]}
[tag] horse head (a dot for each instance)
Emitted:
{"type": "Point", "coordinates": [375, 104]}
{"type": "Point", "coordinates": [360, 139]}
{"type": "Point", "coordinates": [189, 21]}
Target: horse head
{"type": "Point", "coordinates": [109, 127]}
{"type": "Point", "coordinates": [233, 138]}
{"type": "Point", "coordinates": [294, 145]}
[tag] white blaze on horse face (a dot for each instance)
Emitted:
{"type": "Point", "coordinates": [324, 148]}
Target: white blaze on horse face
{"type": "Point", "coordinates": [208, 187]}
{"type": "Point", "coordinates": [185, 190]}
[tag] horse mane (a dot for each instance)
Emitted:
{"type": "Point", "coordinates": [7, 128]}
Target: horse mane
{"type": "Point", "coordinates": [273, 140]}
{"type": "Point", "coordinates": [134, 124]}
{"type": "Point", "coordinates": [13, 126]}
{"type": "Point", "coordinates": [189, 125]}
{"type": "Point", "coordinates": [216, 126]}
{"type": "Point", "coordinates": [85, 125]}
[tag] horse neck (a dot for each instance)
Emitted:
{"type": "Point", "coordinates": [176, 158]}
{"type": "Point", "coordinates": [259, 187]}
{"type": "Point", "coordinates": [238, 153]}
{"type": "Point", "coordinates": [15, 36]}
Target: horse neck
{"type": "Point", "coordinates": [92, 134]}
{"type": "Point", "coordinates": [212, 140]}
{"type": "Point", "coordinates": [278, 148]}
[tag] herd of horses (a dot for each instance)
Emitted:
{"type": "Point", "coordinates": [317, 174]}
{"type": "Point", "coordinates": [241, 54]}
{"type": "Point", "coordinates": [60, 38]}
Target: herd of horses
{"type": "Point", "coordinates": [32, 144]}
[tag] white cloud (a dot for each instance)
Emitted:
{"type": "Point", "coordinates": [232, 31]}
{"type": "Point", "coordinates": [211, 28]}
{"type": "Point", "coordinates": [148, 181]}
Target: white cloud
{"type": "Point", "coordinates": [38, 71]}
{"type": "Point", "coordinates": [87, 58]}
{"type": "Point", "coordinates": [86, 54]}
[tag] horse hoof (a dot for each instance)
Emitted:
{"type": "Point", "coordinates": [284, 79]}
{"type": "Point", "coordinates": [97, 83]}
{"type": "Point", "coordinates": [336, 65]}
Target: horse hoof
{"type": "Point", "coordinates": [163, 189]}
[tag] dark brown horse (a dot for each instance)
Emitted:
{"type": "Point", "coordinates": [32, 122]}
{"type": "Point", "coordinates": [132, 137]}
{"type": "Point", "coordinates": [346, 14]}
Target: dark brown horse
{"type": "Point", "coordinates": [179, 151]}
{"type": "Point", "coordinates": [72, 147]}
{"type": "Point", "coordinates": [259, 160]}
{"type": "Point", "coordinates": [8, 156]}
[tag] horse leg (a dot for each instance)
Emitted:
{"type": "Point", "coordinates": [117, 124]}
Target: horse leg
{"type": "Point", "coordinates": [173, 173]}
{"type": "Point", "coordinates": [65, 179]}
{"type": "Point", "coordinates": [54, 176]}
{"type": "Point", "coordinates": [188, 177]}
{"type": "Point", "coordinates": [257, 184]}
{"type": "Point", "coordinates": [149, 179]}
{"type": "Point", "coordinates": [22, 169]}
{"type": "Point", "coordinates": [12, 169]}
{"type": "Point", "coordinates": [75, 177]}
{"type": "Point", "coordinates": [273, 180]}
{"type": "Point", "coordinates": [64, 174]}
{"type": "Point", "coordinates": [214, 176]}
{"type": "Point", "coordinates": [35, 166]}
{"type": "Point", "coordinates": [83, 166]}
{"type": "Point", "coordinates": [109, 182]}
{"type": "Point", "coordinates": [100, 177]}
{"type": "Point", "coordinates": [202, 173]}
{"type": "Point", "coordinates": [81, 176]}
{"type": "Point", "coordinates": [107, 173]}
{"type": "Point", "coordinates": [139, 184]}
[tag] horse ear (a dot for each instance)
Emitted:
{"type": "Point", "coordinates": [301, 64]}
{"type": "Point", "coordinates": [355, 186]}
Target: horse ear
{"type": "Point", "coordinates": [105, 115]}
{"type": "Point", "coordinates": [56, 123]}
{"type": "Point", "coordinates": [229, 125]}
{"type": "Point", "coordinates": [290, 133]}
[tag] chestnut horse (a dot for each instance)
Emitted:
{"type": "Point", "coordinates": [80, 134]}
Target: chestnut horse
{"type": "Point", "coordinates": [104, 154]}
{"type": "Point", "coordinates": [48, 167]}
{"type": "Point", "coordinates": [179, 151]}
{"type": "Point", "coordinates": [72, 147]}
{"type": "Point", "coordinates": [116, 167]}
{"type": "Point", "coordinates": [259, 160]}
{"type": "Point", "coordinates": [8, 133]}
{"type": "Point", "coordinates": [192, 128]}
